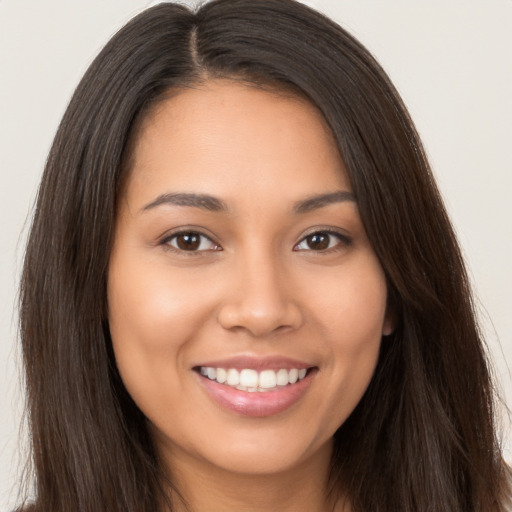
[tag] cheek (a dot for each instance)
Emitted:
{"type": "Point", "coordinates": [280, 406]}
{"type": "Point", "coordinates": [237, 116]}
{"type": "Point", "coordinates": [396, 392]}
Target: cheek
{"type": "Point", "coordinates": [155, 305]}
{"type": "Point", "coordinates": [153, 316]}
{"type": "Point", "coordinates": [350, 305]}
{"type": "Point", "coordinates": [350, 315]}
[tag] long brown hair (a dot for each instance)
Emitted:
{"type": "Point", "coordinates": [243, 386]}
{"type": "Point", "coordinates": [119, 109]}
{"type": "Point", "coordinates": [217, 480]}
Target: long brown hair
{"type": "Point", "coordinates": [423, 436]}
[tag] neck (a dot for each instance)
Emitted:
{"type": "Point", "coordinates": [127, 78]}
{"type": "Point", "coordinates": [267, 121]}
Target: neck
{"type": "Point", "coordinates": [206, 487]}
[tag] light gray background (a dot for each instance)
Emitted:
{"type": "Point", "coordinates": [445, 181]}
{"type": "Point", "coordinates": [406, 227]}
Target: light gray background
{"type": "Point", "coordinates": [451, 61]}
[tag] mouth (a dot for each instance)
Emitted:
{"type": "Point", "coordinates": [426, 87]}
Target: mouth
{"type": "Point", "coordinates": [251, 380]}
{"type": "Point", "coordinates": [255, 388]}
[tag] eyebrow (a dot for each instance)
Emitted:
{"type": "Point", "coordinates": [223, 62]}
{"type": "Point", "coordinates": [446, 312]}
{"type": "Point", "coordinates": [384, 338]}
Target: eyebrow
{"type": "Point", "coordinates": [214, 204]}
{"type": "Point", "coordinates": [202, 201]}
{"type": "Point", "coordinates": [319, 201]}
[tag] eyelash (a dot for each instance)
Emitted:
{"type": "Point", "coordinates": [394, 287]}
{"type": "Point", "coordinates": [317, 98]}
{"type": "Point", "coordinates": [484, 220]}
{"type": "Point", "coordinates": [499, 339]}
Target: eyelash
{"type": "Point", "coordinates": [343, 241]}
{"type": "Point", "coordinates": [166, 242]}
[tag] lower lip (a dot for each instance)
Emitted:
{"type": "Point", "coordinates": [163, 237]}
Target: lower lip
{"type": "Point", "coordinates": [256, 404]}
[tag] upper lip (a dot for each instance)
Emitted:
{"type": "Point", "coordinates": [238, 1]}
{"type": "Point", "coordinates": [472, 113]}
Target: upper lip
{"type": "Point", "coordinates": [256, 363]}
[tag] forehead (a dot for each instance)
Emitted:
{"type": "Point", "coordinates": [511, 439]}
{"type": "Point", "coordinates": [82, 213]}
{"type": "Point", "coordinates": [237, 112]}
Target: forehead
{"type": "Point", "coordinates": [226, 137]}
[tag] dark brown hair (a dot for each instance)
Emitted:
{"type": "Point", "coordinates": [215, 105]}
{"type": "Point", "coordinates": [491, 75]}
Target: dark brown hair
{"type": "Point", "coordinates": [423, 436]}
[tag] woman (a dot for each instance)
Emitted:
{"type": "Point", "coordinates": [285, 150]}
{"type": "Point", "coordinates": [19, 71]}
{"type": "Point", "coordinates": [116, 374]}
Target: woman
{"type": "Point", "coordinates": [241, 289]}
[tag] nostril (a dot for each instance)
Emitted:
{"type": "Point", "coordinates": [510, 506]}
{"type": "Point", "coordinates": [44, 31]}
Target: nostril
{"type": "Point", "coordinates": [260, 319]}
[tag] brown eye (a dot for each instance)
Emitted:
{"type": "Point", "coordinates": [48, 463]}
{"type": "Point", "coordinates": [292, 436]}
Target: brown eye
{"type": "Point", "coordinates": [188, 241]}
{"type": "Point", "coordinates": [318, 241]}
{"type": "Point", "coordinates": [321, 241]}
{"type": "Point", "coordinates": [191, 241]}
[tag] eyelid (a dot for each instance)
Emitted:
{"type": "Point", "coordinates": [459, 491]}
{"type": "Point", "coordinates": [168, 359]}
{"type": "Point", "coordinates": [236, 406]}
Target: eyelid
{"type": "Point", "coordinates": [183, 230]}
{"type": "Point", "coordinates": [164, 240]}
{"type": "Point", "coordinates": [344, 238]}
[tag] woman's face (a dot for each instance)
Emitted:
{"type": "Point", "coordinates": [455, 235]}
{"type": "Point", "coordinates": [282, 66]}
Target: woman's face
{"type": "Point", "coordinates": [240, 259]}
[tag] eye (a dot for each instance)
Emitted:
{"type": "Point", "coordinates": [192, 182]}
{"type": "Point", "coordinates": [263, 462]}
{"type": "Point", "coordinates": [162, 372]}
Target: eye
{"type": "Point", "coordinates": [321, 241]}
{"type": "Point", "coordinates": [191, 241]}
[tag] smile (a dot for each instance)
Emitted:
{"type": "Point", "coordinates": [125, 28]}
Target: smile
{"type": "Point", "coordinates": [256, 387]}
{"type": "Point", "coordinates": [251, 380]}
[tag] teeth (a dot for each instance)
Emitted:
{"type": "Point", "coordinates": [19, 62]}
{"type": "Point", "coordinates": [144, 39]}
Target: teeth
{"type": "Point", "coordinates": [282, 377]}
{"type": "Point", "coordinates": [250, 380]}
{"type": "Point", "coordinates": [267, 379]}
{"type": "Point", "coordinates": [222, 375]}
{"type": "Point", "coordinates": [233, 377]}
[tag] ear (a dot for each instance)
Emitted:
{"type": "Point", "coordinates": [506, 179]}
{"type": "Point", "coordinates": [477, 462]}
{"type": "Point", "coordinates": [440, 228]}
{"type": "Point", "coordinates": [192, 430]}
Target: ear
{"type": "Point", "coordinates": [389, 323]}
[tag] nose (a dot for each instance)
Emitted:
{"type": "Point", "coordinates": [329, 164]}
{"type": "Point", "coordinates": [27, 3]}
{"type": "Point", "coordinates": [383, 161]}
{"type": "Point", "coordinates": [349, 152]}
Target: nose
{"type": "Point", "coordinates": [260, 300]}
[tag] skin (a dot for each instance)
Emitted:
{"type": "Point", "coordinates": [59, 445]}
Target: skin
{"type": "Point", "coordinates": [255, 287]}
